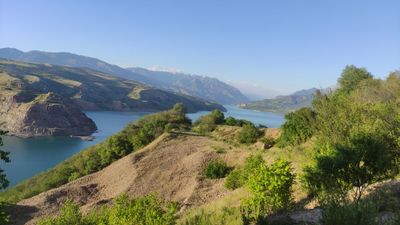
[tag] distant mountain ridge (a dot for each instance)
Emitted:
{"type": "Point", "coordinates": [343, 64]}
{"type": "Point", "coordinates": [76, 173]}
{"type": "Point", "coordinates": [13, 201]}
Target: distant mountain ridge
{"type": "Point", "coordinates": [44, 99]}
{"type": "Point", "coordinates": [210, 89]}
{"type": "Point", "coordinates": [283, 103]}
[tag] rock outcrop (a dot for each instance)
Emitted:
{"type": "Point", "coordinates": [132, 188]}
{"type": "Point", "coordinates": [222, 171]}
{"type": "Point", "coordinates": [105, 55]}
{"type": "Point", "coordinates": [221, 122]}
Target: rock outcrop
{"type": "Point", "coordinates": [42, 115]}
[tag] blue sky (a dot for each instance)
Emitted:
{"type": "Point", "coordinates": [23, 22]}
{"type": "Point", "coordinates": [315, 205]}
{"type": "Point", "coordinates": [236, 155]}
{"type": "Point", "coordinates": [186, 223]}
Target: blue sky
{"type": "Point", "coordinates": [281, 45]}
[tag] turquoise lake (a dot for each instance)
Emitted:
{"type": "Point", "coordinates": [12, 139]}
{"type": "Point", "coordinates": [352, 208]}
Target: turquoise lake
{"type": "Point", "coordinates": [30, 156]}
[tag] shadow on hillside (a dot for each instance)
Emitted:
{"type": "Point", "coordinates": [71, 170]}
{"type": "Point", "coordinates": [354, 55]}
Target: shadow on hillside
{"type": "Point", "coordinates": [20, 214]}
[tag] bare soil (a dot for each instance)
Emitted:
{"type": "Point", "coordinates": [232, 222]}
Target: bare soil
{"type": "Point", "coordinates": [172, 167]}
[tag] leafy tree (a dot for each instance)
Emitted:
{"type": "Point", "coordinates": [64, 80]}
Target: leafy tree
{"type": "Point", "coordinates": [218, 116]}
{"type": "Point", "coordinates": [249, 134]}
{"type": "Point", "coordinates": [209, 122]}
{"type": "Point", "coordinates": [231, 121]}
{"type": "Point", "coordinates": [351, 77]}
{"type": "Point", "coordinates": [357, 139]}
{"type": "Point", "coordinates": [298, 128]}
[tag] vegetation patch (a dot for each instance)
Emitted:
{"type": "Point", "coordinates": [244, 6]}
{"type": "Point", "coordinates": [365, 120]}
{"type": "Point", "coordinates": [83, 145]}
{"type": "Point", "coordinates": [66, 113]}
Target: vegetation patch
{"type": "Point", "coordinates": [148, 210]}
{"type": "Point", "coordinates": [216, 169]}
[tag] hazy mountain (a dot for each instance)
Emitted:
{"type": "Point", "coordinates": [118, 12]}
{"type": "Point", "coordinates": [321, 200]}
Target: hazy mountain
{"type": "Point", "coordinates": [210, 89]}
{"type": "Point", "coordinates": [283, 103]}
{"type": "Point", "coordinates": [253, 91]}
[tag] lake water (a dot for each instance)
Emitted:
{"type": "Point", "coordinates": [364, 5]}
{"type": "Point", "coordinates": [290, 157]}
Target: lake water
{"type": "Point", "coordinates": [30, 156]}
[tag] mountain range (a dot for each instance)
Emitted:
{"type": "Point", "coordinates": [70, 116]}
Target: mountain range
{"type": "Point", "coordinates": [210, 89]}
{"type": "Point", "coordinates": [283, 103]}
{"type": "Point", "coordinates": [43, 99]}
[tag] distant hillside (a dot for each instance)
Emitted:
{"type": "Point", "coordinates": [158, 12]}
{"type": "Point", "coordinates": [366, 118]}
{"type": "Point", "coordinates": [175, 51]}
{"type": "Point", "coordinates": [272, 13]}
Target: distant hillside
{"type": "Point", "coordinates": [283, 103]}
{"type": "Point", "coordinates": [39, 99]}
{"type": "Point", "coordinates": [210, 89]}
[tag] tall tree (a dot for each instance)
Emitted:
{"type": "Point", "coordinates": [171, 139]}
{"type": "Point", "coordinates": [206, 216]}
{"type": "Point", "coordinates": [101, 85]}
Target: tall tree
{"type": "Point", "coordinates": [352, 76]}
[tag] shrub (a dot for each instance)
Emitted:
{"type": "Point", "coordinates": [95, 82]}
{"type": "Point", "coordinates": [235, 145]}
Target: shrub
{"type": "Point", "coordinates": [248, 135]}
{"type": "Point", "coordinates": [268, 142]}
{"type": "Point", "coordinates": [231, 121]}
{"type": "Point", "coordinates": [216, 169]}
{"type": "Point", "coordinates": [69, 214]}
{"type": "Point", "coordinates": [271, 188]}
{"type": "Point", "coordinates": [298, 128]}
{"type": "Point", "coordinates": [239, 176]}
{"type": "Point", "coordinates": [351, 77]}
{"type": "Point", "coordinates": [226, 216]}
{"type": "Point", "coordinates": [209, 122]}
{"type": "Point", "coordinates": [147, 210]}
{"type": "Point", "coordinates": [234, 179]}
{"type": "Point", "coordinates": [4, 217]}
{"type": "Point", "coordinates": [360, 155]}
{"type": "Point", "coordinates": [363, 213]}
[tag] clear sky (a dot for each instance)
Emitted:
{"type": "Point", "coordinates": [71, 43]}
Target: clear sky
{"type": "Point", "coordinates": [282, 45]}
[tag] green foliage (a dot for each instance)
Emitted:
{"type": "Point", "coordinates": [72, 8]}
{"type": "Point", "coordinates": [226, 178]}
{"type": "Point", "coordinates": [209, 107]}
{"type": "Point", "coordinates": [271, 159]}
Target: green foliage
{"type": "Point", "coordinates": [209, 122]}
{"type": "Point", "coordinates": [360, 146]}
{"type": "Point", "coordinates": [131, 138]}
{"type": "Point", "coordinates": [216, 169]}
{"type": "Point", "coordinates": [363, 213]}
{"type": "Point", "coordinates": [231, 121]}
{"type": "Point", "coordinates": [227, 216]}
{"type": "Point", "coordinates": [4, 217]}
{"type": "Point", "coordinates": [271, 188]}
{"type": "Point", "coordinates": [69, 214]}
{"type": "Point", "coordinates": [268, 141]}
{"type": "Point", "coordinates": [147, 210]}
{"type": "Point", "coordinates": [298, 128]}
{"type": "Point", "coordinates": [248, 134]}
{"type": "Point", "coordinates": [3, 157]}
{"type": "Point", "coordinates": [352, 77]}
{"type": "Point", "coordinates": [239, 176]}
{"type": "Point", "coordinates": [234, 179]}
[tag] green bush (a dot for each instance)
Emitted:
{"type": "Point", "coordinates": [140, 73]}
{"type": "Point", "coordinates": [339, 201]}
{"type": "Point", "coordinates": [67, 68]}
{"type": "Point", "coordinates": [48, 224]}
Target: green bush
{"type": "Point", "coordinates": [268, 141]}
{"type": "Point", "coordinates": [227, 216]}
{"type": "Point", "coordinates": [239, 176]}
{"type": "Point", "coordinates": [216, 169]}
{"type": "Point", "coordinates": [209, 122]}
{"type": "Point", "coordinates": [298, 127]}
{"type": "Point", "coordinates": [271, 188]}
{"type": "Point", "coordinates": [69, 214]}
{"type": "Point", "coordinates": [234, 179]}
{"type": "Point", "coordinates": [356, 149]}
{"type": "Point", "coordinates": [4, 217]}
{"type": "Point", "coordinates": [231, 121]}
{"type": "Point", "coordinates": [146, 210]}
{"type": "Point", "coordinates": [363, 213]}
{"type": "Point", "coordinates": [249, 134]}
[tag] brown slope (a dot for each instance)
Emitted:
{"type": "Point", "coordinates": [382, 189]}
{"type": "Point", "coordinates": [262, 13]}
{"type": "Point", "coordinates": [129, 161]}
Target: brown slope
{"type": "Point", "coordinates": [171, 166]}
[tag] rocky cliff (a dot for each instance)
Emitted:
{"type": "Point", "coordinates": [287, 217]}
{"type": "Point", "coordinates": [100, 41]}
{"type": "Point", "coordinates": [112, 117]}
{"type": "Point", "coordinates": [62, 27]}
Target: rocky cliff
{"type": "Point", "coordinates": [46, 114]}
